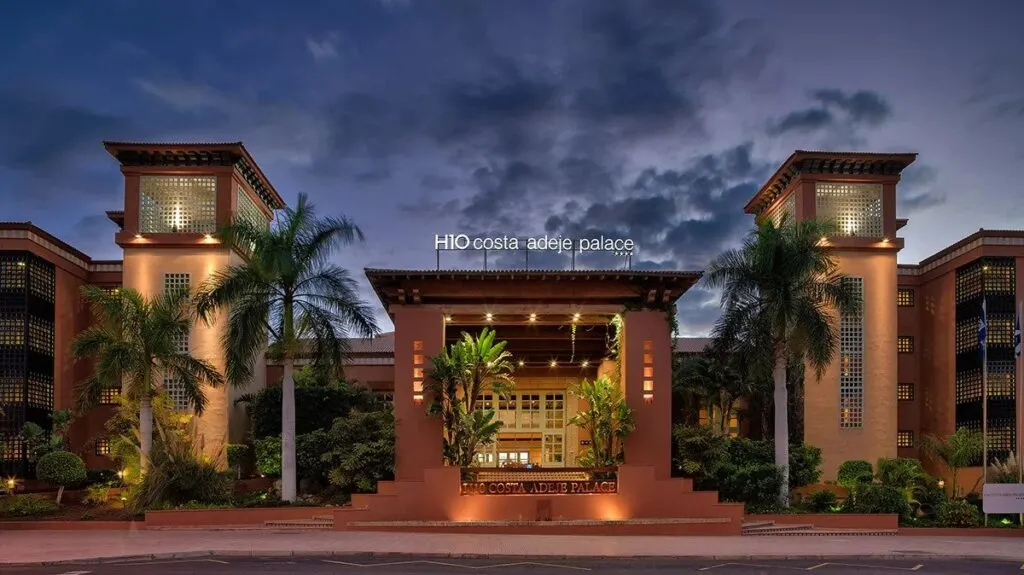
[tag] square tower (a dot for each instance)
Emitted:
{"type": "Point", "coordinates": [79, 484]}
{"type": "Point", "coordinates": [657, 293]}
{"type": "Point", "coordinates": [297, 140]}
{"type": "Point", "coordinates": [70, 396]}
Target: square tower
{"type": "Point", "coordinates": [177, 196]}
{"type": "Point", "coordinates": [851, 413]}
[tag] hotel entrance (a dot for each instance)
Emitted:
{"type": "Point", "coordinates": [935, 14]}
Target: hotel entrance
{"type": "Point", "coordinates": [533, 432]}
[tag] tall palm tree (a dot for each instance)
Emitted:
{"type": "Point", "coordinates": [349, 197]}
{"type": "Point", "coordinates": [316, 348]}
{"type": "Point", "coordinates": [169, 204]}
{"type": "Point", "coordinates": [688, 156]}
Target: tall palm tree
{"type": "Point", "coordinates": [289, 295]}
{"type": "Point", "coordinates": [780, 291]}
{"type": "Point", "coordinates": [134, 343]}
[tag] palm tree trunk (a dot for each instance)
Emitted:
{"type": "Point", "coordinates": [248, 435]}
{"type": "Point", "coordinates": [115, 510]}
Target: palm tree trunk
{"type": "Point", "coordinates": [60, 494]}
{"type": "Point", "coordinates": [289, 478]}
{"type": "Point", "coordinates": [782, 427]}
{"type": "Point", "coordinates": [145, 431]}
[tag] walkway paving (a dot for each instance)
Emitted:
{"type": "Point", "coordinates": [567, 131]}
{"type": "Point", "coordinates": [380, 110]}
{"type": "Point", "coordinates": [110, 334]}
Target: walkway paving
{"type": "Point", "coordinates": [34, 547]}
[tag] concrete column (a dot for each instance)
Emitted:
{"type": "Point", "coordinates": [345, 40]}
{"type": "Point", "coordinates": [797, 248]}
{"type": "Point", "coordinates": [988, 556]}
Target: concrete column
{"type": "Point", "coordinates": [647, 357]}
{"type": "Point", "coordinates": [419, 335]}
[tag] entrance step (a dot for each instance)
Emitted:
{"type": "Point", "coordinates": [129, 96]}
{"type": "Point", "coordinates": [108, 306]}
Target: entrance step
{"type": "Point", "coordinates": [770, 528]}
{"type": "Point", "coordinates": [319, 522]}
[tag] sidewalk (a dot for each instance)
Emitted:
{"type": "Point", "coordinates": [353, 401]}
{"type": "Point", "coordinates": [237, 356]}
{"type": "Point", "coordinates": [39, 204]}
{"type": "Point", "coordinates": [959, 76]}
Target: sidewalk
{"type": "Point", "coordinates": [35, 547]}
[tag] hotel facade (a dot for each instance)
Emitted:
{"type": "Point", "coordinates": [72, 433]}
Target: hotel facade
{"type": "Point", "coordinates": [909, 363]}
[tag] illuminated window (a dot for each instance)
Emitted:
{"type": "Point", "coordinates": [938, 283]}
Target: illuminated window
{"type": "Point", "coordinates": [386, 396]}
{"type": "Point", "coordinates": [109, 395]}
{"type": "Point", "coordinates": [177, 204]}
{"type": "Point", "coordinates": [904, 439]}
{"type": "Point", "coordinates": [905, 297]}
{"type": "Point", "coordinates": [554, 411]}
{"type": "Point", "coordinates": [905, 344]}
{"type": "Point", "coordinates": [174, 283]}
{"type": "Point", "coordinates": [553, 448]}
{"type": "Point", "coordinates": [249, 212]}
{"type": "Point", "coordinates": [851, 354]}
{"type": "Point", "coordinates": [855, 208]}
{"type": "Point", "coordinates": [516, 458]}
{"type": "Point", "coordinates": [716, 420]}
{"type": "Point", "coordinates": [786, 206]}
{"type": "Point", "coordinates": [103, 446]}
{"type": "Point", "coordinates": [485, 402]}
{"type": "Point", "coordinates": [905, 391]}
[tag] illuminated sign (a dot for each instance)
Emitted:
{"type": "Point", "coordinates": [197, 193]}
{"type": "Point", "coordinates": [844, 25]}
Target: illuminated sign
{"type": "Point", "coordinates": [538, 487]}
{"type": "Point", "coordinates": [557, 244]}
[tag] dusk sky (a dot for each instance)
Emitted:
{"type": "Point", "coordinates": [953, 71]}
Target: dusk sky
{"type": "Point", "coordinates": [655, 121]}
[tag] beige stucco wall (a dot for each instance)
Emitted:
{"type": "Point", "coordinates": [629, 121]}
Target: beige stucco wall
{"type": "Point", "coordinates": [222, 422]}
{"type": "Point", "coordinates": [877, 438]}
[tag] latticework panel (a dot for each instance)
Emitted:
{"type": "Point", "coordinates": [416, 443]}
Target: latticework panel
{"type": "Point", "coordinates": [175, 391]}
{"type": "Point", "coordinates": [175, 283]}
{"type": "Point", "coordinates": [905, 344]}
{"type": "Point", "coordinates": [1000, 276]}
{"type": "Point", "coordinates": [851, 357]}
{"type": "Point", "coordinates": [968, 386]}
{"type": "Point", "coordinates": [249, 212]}
{"type": "Point", "coordinates": [40, 335]}
{"type": "Point", "coordinates": [904, 439]}
{"type": "Point", "coordinates": [1001, 382]}
{"type": "Point", "coordinates": [905, 391]}
{"type": "Point", "coordinates": [905, 297]}
{"type": "Point", "coordinates": [42, 280]}
{"type": "Point", "coordinates": [855, 208]}
{"type": "Point", "coordinates": [177, 204]}
{"type": "Point", "coordinates": [40, 391]}
{"type": "Point", "coordinates": [786, 206]}
{"type": "Point", "coordinates": [110, 395]}
{"type": "Point", "coordinates": [969, 282]}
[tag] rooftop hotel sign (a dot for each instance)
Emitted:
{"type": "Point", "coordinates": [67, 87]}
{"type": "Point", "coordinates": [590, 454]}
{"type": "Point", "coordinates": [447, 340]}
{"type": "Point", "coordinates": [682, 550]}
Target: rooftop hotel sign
{"type": "Point", "coordinates": [557, 244]}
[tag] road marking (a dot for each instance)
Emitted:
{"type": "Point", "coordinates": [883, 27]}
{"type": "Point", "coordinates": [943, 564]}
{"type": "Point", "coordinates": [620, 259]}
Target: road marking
{"type": "Point", "coordinates": [76, 573]}
{"type": "Point", "coordinates": [816, 566]}
{"type": "Point", "coordinates": [813, 567]}
{"type": "Point", "coordinates": [442, 564]}
{"type": "Point", "coordinates": [753, 565]}
{"type": "Point", "coordinates": [880, 567]}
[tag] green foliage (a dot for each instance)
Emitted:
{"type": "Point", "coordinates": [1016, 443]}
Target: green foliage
{"type": "Point", "coordinates": [1006, 471]}
{"type": "Point", "coordinates": [958, 513]}
{"type": "Point", "coordinates": [853, 473]}
{"type": "Point", "coordinates": [39, 441]}
{"type": "Point", "coordinates": [701, 451]}
{"type": "Point", "coordinates": [823, 501]}
{"type": "Point", "coordinates": [61, 469]}
{"type": "Point", "coordinates": [754, 484]}
{"type": "Point", "coordinates": [317, 405]}
{"type": "Point", "coordinates": [459, 374]}
{"type": "Point", "coordinates": [877, 498]}
{"type": "Point", "coordinates": [362, 451]}
{"type": "Point", "coordinates": [961, 449]}
{"type": "Point", "coordinates": [714, 382]}
{"type": "Point", "coordinates": [903, 473]}
{"type": "Point", "coordinates": [268, 456]}
{"type": "Point", "coordinates": [27, 505]}
{"type": "Point", "coordinates": [96, 495]}
{"type": "Point", "coordinates": [804, 459]}
{"type": "Point", "coordinates": [607, 420]}
{"type": "Point", "coordinates": [237, 454]}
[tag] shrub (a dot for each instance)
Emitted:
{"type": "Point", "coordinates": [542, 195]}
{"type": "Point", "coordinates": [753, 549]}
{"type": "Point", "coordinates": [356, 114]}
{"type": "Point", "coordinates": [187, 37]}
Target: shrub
{"type": "Point", "coordinates": [804, 460]}
{"type": "Point", "coordinates": [701, 452]}
{"type": "Point", "coordinates": [875, 498]}
{"type": "Point", "coordinates": [363, 451]}
{"type": "Point", "coordinates": [27, 505]}
{"type": "Point", "coordinates": [60, 468]}
{"type": "Point", "coordinates": [754, 484]}
{"type": "Point", "coordinates": [96, 495]}
{"type": "Point", "coordinates": [958, 513]}
{"type": "Point", "coordinates": [823, 501]}
{"type": "Point", "coordinates": [102, 476]}
{"type": "Point", "coordinates": [236, 457]}
{"type": "Point", "coordinates": [268, 456]}
{"type": "Point", "coordinates": [901, 472]}
{"type": "Point", "coordinates": [853, 473]}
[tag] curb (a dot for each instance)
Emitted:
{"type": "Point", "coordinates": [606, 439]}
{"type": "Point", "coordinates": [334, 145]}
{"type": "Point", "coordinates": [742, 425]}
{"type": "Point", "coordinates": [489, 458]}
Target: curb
{"type": "Point", "coordinates": [274, 554]}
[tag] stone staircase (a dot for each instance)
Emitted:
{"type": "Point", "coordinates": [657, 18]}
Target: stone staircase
{"type": "Point", "coordinates": [315, 522]}
{"type": "Point", "coordinates": [763, 528]}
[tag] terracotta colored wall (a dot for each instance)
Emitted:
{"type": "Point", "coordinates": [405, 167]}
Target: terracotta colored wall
{"type": "Point", "coordinates": [651, 443]}
{"type": "Point", "coordinates": [877, 437]}
{"type": "Point", "coordinates": [417, 435]}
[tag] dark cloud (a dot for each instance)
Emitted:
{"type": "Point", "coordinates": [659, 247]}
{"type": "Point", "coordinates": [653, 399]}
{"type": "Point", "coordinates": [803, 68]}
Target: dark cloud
{"type": "Point", "coordinates": [835, 109]}
{"type": "Point", "coordinates": [918, 190]}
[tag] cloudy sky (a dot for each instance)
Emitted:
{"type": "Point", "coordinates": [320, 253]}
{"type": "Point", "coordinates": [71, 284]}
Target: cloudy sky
{"type": "Point", "coordinates": [654, 120]}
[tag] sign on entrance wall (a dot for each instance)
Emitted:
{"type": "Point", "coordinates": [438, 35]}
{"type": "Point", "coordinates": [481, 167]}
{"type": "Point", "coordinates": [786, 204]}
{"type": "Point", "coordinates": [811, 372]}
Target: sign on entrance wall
{"type": "Point", "coordinates": [999, 498]}
{"type": "Point", "coordinates": [538, 487]}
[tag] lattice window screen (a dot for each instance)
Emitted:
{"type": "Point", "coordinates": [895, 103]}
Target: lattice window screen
{"type": "Point", "coordinates": [905, 297]}
{"type": "Point", "coordinates": [787, 206]}
{"type": "Point", "coordinates": [855, 208]}
{"type": "Point", "coordinates": [851, 354]}
{"type": "Point", "coordinates": [176, 394]}
{"type": "Point", "coordinates": [177, 204]}
{"type": "Point", "coordinates": [905, 391]}
{"type": "Point", "coordinates": [904, 439]}
{"type": "Point", "coordinates": [248, 211]}
{"type": "Point", "coordinates": [174, 283]}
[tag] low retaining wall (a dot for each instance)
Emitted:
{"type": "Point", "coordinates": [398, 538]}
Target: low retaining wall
{"type": "Point", "coordinates": [71, 525]}
{"type": "Point", "coordinates": [220, 517]}
{"type": "Point", "coordinates": [832, 520]}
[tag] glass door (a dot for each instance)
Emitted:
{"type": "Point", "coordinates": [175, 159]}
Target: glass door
{"type": "Point", "coordinates": [552, 440]}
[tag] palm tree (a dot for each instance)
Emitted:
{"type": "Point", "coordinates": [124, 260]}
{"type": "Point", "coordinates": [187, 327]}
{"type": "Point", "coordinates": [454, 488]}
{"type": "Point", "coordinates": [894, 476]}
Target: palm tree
{"type": "Point", "coordinates": [961, 449]}
{"type": "Point", "coordinates": [289, 295]}
{"type": "Point", "coordinates": [780, 290]}
{"type": "Point", "coordinates": [717, 382]}
{"type": "Point", "coordinates": [135, 343]}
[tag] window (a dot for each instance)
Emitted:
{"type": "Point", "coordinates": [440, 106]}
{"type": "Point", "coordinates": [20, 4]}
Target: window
{"type": "Point", "coordinates": [529, 413]}
{"type": "Point", "coordinates": [513, 458]}
{"type": "Point", "coordinates": [904, 439]}
{"type": "Point", "coordinates": [851, 368]}
{"type": "Point", "coordinates": [109, 395]}
{"type": "Point", "coordinates": [176, 395]}
{"type": "Point", "coordinates": [174, 283]}
{"type": "Point", "coordinates": [249, 212]}
{"type": "Point", "coordinates": [554, 407]}
{"type": "Point", "coordinates": [855, 208]}
{"type": "Point", "coordinates": [177, 204]}
{"type": "Point", "coordinates": [905, 297]}
{"type": "Point", "coordinates": [103, 446]}
{"type": "Point", "coordinates": [787, 206]}
{"type": "Point", "coordinates": [905, 391]}
{"type": "Point", "coordinates": [905, 344]}
{"type": "Point", "coordinates": [386, 396]}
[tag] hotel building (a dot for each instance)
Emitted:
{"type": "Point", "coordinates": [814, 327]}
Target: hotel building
{"type": "Point", "coordinates": [909, 363]}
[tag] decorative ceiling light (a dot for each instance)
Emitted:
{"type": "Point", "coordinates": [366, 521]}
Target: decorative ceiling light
{"type": "Point", "coordinates": [447, 319]}
{"type": "Point", "coordinates": [533, 317]}
{"type": "Point", "coordinates": [575, 317]}
{"type": "Point", "coordinates": [585, 363]}
{"type": "Point", "coordinates": [554, 363]}
{"type": "Point", "coordinates": [489, 317]}
{"type": "Point", "coordinates": [521, 363]}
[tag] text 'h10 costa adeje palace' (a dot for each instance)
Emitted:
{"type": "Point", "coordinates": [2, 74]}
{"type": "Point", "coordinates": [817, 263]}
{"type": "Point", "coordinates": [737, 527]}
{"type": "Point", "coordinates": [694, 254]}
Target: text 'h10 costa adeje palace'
{"type": "Point", "coordinates": [909, 363]}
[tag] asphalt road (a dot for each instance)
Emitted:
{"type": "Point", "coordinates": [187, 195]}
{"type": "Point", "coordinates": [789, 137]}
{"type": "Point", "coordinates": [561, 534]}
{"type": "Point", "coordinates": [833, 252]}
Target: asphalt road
{"type": "Point", "coordinates": [429, 566]}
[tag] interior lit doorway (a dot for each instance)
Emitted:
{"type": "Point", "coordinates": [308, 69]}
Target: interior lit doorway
{"type": "Point", "coordinates": [533, 429]}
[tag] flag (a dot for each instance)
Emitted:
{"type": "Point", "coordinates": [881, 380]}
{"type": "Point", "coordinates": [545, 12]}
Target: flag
{"type": "Point", "coordinates": [983, 327]}
{"type": "Point", "coordinates": [1016, 335]}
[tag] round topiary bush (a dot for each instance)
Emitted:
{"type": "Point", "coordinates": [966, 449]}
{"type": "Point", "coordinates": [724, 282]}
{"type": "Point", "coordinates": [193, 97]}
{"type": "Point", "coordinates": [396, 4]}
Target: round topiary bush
{"type": "Point", "coordinates": [61, 468]}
